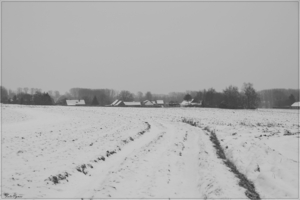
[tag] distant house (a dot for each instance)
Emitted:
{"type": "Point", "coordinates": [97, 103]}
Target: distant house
{"type": "Point", "coordinates": [160, 102]}
{"type": "Point", "coordinates": [75, 102]}
{"type": "Point", "coordinates": [296, 105]}
{"type": "Point", "coordinates": [132, 104]}
{"type": "Point", "coordinates": [196, 103]}
{"type": "Point", "coordinates": [120, 103]}
{"type": "Point", "coordinates": [117, 103]}
{"type": "Point", "coordinates": [148, 103]}
{"type": "Point", "coordinates": [185, 103]}
{"type": "Point", "coordinates": [113, 103]}
{"type": "Point", "coordinates": [191, 103]}
{"type": "Point", "coordinates": [174, 104]}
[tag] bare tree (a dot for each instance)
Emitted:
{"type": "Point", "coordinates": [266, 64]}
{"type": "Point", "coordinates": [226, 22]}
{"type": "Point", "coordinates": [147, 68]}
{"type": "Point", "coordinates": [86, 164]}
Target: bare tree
{"type": "Point", "coordinates": [232, 97]}
{"type": "Point", "coordinates": [4, 94]}
{"type": "Point", "coordinates": [10, 93]}
{"type": "Point", "coordinates": [75, 92]}
{"type": "Point", "coordinates": [148, 96]}
{"type": "Point", "coordinates": [50, 93]}
{"type": "Point", "coordinates": [25, 90]}
{"type": "Point", "coordinates": [126, 96]}
{"type": "Point", "coordinates": [19, 90]}
{"type": "Point", "coordinates": [56, 94]}
{"type": "Point", "coordinates": [209, 97]}
{"type": "Point", "coordinates": [291, 99]}
{"type": "Point", "coordinates": [95, 101]}
{"type": "Point", "coordinates": [251, 98]}
{"type": "Point", "coordinates": [187, 97]}
{"type": "Point", "coordinates": [139, 96]}
{"type": "Point", "coordinates": [176, 96]}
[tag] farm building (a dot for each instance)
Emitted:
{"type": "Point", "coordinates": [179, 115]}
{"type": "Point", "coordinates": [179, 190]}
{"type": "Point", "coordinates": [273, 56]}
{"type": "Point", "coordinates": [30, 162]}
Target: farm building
{"type": "Point", "coordinates": [113, 103]}
{"type": "Point", "coordinates": [296, 105]}
{"type": "Point", "coordinates": [148, 103]}
{"type": "Point", "coordinates": [75, 102]}
{"type": "Point", "coordinates": [117, 103]}
{"type": "Point", "coordinates": [160, 102]}
{"type": "Point", "coordinates": [132, 104]}
{"type": "Point", "coordinates": [122, 103]}
{"type": "Point", "coordinates": [184, 103]}
{"type": "Point", "coordinates": [195, 103]}
{"type": "Point", "coordinates": [190, 103]}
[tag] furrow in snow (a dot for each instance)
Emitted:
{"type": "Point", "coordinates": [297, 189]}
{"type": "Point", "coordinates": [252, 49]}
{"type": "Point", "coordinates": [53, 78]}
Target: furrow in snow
{"type": "Point", "coordinates": [163, 168]}
{"type": "Point", "coordinates": [243, 181]}
{"type": "Point", "coordinates": [85, 168]}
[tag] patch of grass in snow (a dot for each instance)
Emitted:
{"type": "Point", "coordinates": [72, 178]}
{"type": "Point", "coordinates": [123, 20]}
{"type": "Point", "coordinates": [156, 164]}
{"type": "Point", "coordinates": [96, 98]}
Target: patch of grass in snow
{"type": "Point", "coordinates": [287, 132]}
{"type": "Point", "coordinates": [56, 179]}
{"type": "Point", "coordinates": [12, 196]}
{"type": "Point", "coordinates": [190, 122]}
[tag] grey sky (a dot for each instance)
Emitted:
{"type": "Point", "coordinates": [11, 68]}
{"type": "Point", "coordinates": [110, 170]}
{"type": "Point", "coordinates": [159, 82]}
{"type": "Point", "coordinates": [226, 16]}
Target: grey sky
{"type": "Point", "coordinates": [149, 46]}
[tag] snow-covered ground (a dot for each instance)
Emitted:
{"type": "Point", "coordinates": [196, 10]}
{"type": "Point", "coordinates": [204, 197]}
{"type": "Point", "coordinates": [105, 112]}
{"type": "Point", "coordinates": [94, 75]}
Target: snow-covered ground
{"type": "Point", "coordinates": [102, 152]}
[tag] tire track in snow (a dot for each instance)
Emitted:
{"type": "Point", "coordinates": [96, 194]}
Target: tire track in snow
{"type": "Point", "coordinates": [165, 167]}
{"type": "Point", "coordinates": [87, 184]}
{"type": "Point", "coordinates": [107, 183]}
{"type": "Point", "coordinates": [243, 181]}
{"type": "Point", "coordinates": [125, 171]}
{"type": "Point", "coordinates": [85, 168]}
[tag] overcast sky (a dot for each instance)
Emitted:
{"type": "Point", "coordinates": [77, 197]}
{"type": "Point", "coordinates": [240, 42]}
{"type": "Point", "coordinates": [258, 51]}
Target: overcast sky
{"type": "Point", "coordinates": [149, 46]}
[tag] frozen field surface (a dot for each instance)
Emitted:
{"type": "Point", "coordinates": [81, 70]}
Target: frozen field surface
{"type": "Point", "coordinates": [102, 152]}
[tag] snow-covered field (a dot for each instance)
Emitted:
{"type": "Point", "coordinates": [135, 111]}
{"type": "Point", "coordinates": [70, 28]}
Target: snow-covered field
{"type": "Point", "coordinates": [102, 152]}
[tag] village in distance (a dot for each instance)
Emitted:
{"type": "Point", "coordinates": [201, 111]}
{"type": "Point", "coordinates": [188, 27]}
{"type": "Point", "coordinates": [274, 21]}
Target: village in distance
{"type": "Point", "coordinates": [231, 97]}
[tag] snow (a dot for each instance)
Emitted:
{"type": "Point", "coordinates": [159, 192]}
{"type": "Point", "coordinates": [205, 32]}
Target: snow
{"type": "Point", "coordinates": [184, 103]}
{"type": "Point", "coordinates": [118, 103]}
{"type": "Point", "coordinates": [113, 103]}
{"type": "Point", "coordinates": [296, 104]}
{"type": "Point", "coordinates": [160, 101]}
{"type": "Point", "coordinates": [148, 103]}
{"type": "Point", "coordinates": [132, 103]}
{"type": "Point", "coordinates": [75, 102]}
{"type": "Point", "coordinates": [155, 154]}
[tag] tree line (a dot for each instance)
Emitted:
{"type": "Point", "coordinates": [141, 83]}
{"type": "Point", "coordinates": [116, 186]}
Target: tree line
{"type": "Point", "coordinates": [231, 97]}
{"type": "Point", "coordinates": [38, 98]}
{"type": "Point", "coordinates": [278, 97]}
